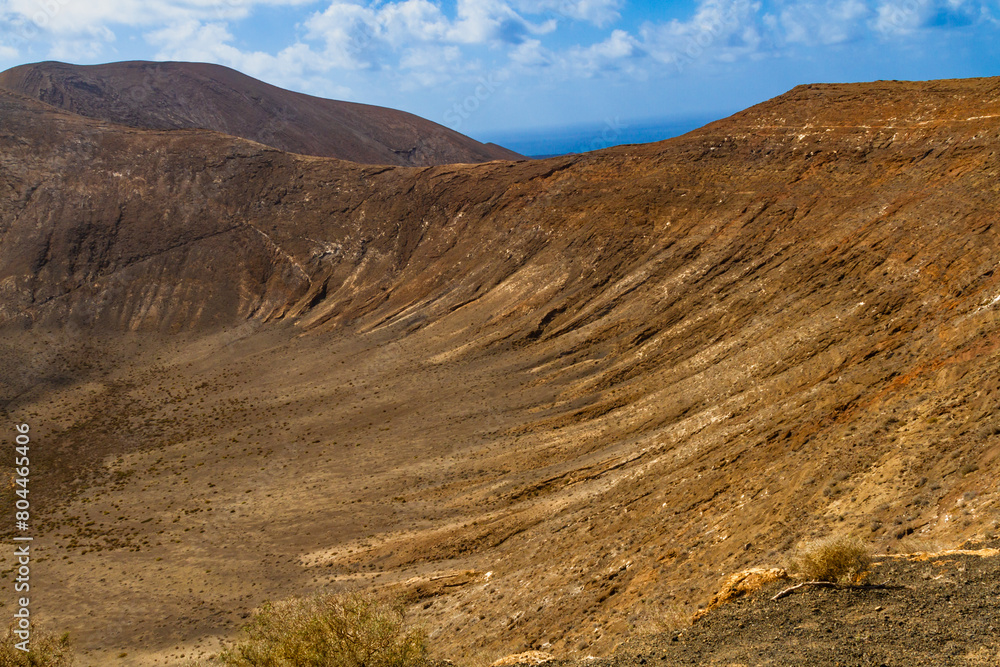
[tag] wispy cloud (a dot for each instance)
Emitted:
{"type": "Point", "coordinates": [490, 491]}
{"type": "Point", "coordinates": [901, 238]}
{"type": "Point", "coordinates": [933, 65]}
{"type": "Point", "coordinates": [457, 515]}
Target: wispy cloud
{"type": "Point", "coordinates": [619, 51]}
{"type": "Point", "coordinates": [68, 17]}
{"type": "Point", "coordinates": [812, 23]}
{"type": "Point", "coordinates": [531, 54]}
{"type": "Point", "coordinates": [444, 48]}
{"type": "Point", "coordinates": [213, 42]}
{"type": "Point", "coordinates": [598, 12]}
{"type": "Point", "coordinates": [485, 21]}
{"type": "Point", "coordinates": [420, 37]}
{"type": "Point", "coordinates": [904, 17]}
{"type": "Point", "coordinates": [718, 30]}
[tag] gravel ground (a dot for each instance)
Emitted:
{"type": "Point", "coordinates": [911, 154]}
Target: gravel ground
{"type": "Point", "coordinates": [941, 609]}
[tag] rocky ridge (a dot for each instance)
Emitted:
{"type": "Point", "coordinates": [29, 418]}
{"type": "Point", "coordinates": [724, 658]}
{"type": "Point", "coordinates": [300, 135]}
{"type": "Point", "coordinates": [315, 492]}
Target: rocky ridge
{"type": "Point", "coordinates": [607, 380]}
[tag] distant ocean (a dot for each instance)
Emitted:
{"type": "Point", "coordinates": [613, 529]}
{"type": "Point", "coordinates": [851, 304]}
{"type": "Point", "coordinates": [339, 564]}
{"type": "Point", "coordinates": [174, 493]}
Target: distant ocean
{"type": "Point", "coordinates": [546, 142]}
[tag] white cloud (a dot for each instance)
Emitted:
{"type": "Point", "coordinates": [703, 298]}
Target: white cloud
{"type": "Point", "coordinates": [900, 18]}
{"type": "Point", "coordinates": [24, 23]}
{"type": "Point", "coordinates": [359, 35]}
{"type": "Point", "coordinates": [73, 48]}
{"type": "Point", "coordinates": [72, 16]}
{"type": "Point", "coordinates": [486, 21]}
{"type": "Point", "coordinates": [212, 42]}
{"type": "Point", "coordinates": [598, 12]}
{"type": "Point", "coordinates": [413, 19]}
{"type": "Point", "coordinates": [180, 38]}
{"type": "Point", "coordinates": [903, 17]}
{"type": "Point", "coordinates": [614, 53]}
{"type": "Point", "coordinates": [819, 22]}
{"type": "Point", "coordinates": [408, 44]}
{"type": "Point", "coordinates": [719, 30]}
{"type": "Point", "coordinates": [530, 53]}
{"type": "Point", "coordinates": [349, 28]}
{"type": "Point", "coordinates": [75, 29]}
{"type": "Point", "coordinates": [831, 22]}
{"type": "Point", "coordinates": [349, 32]}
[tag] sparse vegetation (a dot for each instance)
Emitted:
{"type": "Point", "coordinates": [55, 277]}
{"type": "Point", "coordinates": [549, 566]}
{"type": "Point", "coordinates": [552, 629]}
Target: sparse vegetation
{"type": "Point", "coordinates": [354, 630]}
{"type": "Point", "coordinates": [47, 650]}
{"type": "Point", "coordinates": [836, 560]}
{"type": "Point", "coordinates": [968, 468]}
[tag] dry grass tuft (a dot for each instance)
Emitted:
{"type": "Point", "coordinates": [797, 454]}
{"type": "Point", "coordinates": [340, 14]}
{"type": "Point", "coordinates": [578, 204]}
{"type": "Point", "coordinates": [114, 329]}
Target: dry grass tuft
{"type": "Point", "coordinates": [47, 650]}
{"type": "Point", "coordinates": [840, 560]}
{"type": "Point", "coordinates": [354, 630]}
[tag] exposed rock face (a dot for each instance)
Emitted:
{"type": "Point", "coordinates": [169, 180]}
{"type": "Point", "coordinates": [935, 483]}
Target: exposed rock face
{"type": "Point", "coordinates": [606, 381]}
{"type": "Point", "coordinates": [102, 226]}
{"type": "Point", "coordinates": [180, 229]}
{"type": "Point", "coordinates": [166, 96]}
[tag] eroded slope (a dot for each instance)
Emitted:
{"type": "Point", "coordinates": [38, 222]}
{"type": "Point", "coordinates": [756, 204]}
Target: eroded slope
{"type": "Point", "coordinates": [606, 380]}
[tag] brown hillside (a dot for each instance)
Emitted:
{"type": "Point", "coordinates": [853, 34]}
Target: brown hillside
{"type": "Point", "coordinates": [174, 95]}
{"type": "Point", "coordinates": [554, 400]}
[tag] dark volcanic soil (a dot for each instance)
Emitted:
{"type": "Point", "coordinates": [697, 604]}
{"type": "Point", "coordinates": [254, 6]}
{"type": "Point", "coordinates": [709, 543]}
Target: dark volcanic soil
{"type": "Point", "coordinates": [937, 609]}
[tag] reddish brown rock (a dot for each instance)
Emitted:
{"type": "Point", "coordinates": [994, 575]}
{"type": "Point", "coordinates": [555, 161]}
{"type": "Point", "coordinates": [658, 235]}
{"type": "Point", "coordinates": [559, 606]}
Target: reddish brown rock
{"type": "Point", "coordinates": [609, 381]}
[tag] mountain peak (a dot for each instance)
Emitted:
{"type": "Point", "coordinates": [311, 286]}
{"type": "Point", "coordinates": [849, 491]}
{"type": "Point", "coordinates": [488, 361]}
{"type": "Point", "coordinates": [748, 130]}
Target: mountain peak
{"type": "Point", "coordinates": [182, 95]}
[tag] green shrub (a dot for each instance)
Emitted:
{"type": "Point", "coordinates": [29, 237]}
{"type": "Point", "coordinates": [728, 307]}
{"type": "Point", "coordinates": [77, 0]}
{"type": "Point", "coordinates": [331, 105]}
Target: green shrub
{"type": "Point", "coordinates": [837, 560]}
{"type": "Point", "coordinates": [327, 630]}
{"type": "Point", "coordinates": [46, 650]}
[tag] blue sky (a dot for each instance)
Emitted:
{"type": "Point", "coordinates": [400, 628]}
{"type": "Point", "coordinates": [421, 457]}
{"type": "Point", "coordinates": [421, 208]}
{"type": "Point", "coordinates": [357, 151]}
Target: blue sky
{"type": "Point", "coordinates": [496, 68]}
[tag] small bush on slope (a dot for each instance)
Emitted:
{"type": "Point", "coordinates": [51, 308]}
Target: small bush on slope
{"type": "Point", "coordinates": [838, 560]}
{"type": "Point", "coordinates": [330, 631]}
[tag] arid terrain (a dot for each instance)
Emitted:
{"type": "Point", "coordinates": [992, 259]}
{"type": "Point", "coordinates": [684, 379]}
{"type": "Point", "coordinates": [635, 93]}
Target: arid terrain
{"type": "Point", "coordinates": [555, 401]}
{"type": "Point", "coordinates": [171, 96]}
{"type": "Point", "coordinates": [932, 609]}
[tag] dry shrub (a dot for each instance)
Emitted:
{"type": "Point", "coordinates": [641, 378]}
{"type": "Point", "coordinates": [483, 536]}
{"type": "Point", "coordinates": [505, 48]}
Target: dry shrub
{"type": "Point", "coordinates": [47, 650]}
{"type": "Point", "coordinates": [837, 560]}
{"type": "Point", "coordinates": [353, 630]}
